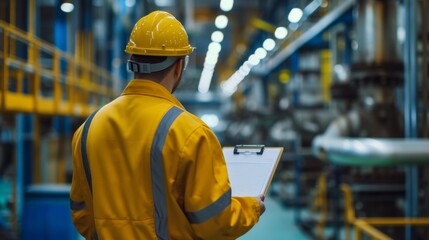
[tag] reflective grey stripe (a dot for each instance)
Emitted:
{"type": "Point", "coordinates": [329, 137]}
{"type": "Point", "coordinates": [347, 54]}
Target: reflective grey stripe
{"type": "Point", "coordinates": [76, 206]}
{"type": "Point", "coordinates": [157, 171]}
{"type": "Point", "coordinates": [212, 210]}
{"type": "Point", "coordinates": [85, 156]}
{"type": "Point", "coordinates": [83, 150]}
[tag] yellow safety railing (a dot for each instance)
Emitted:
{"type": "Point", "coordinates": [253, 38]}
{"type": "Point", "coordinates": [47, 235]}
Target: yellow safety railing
{"type": "Point", "coordinates": [320, 205]}
{"type": "Point", "coordinates": [366, 225]}
{"type": "Point", "coordinates": [48, 81]}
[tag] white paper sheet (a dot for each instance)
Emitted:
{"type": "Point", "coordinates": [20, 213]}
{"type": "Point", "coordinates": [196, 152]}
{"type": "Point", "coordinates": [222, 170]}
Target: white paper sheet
{"type": "Point", "coordinates": [250, 174]}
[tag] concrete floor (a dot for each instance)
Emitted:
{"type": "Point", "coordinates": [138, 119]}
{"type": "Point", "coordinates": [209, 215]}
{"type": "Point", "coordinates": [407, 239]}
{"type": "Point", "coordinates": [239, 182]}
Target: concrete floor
{"type": "Point", "coordinates": [277, 223]}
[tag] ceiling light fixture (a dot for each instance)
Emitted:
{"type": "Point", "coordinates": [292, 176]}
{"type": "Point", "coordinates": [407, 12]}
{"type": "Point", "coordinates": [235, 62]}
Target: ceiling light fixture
{"type": "Point", "coordinates": [295, 15]}
{"type": "Point", "coordinates": [215, 47]}
{"type": "Point", "coordinates": [261, 53]}
{"type": "Point", "coordinates": [226, 5]}
{"type": "Point", "coordinates": [211, 58]}
{"type": "Point", "coordinates": [67, 7]}
{"type": "Point", "coordinates": [164, 3]}
{"type": "Point", "coordinates": [130, 3]}
{"type": "Point", "coordinates": [254, 60]}
{"type": "Point", "coordinates": [269, 44]}
{"type": "Point", "coordinates": [217, 36]}
{"type": "Point", "coordinates": [221, 21]}
{"type": "Point", "coordinates": [281, 32]}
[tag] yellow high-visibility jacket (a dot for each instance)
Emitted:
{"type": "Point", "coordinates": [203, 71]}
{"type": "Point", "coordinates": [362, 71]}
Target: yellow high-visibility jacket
{"type": "Point", "coordinates": [145, 168]}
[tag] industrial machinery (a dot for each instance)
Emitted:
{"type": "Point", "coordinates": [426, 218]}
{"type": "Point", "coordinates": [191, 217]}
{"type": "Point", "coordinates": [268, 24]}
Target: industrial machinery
{"type": "Point", "coordinates": [372, 141]}
{"type": "Point", "coordinates": [344, 91]}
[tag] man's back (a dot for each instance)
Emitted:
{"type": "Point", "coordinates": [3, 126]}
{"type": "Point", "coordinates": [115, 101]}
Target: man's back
{"type": "Point", "coordinates": [155, 166]}
{"type": "Point", "coordinates": [143, 167]}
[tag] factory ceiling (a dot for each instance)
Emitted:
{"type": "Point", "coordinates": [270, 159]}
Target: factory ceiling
{"type": "Point", "coordinates": [250, 22]}
{"type": "Point", "coordinates": [247, 20]}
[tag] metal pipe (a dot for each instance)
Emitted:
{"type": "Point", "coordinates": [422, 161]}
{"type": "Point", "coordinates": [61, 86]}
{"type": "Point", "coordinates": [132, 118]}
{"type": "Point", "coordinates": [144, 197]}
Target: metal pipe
{"type": "Point", "coordinates": [12, 21]}
{"type": "Point", "coordinates": [424, 30]}
{"type": "Point", "coordinates": [410, 100]}
{"type": "Point", "coordinates": [19, 168]}
{"type": "Point", "coordinates": [376, 32]}
{"type": "Point", "coordinates": [345, 125]}
{"type": "Point", "coordinates": [5, 69]}
{"type": "Point", "coordinates": [371, 151]}
{"type": "Point", "coordinates": [410, 111]}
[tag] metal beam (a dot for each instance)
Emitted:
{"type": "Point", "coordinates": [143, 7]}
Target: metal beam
{"type": "Point", "coordinates": [313, 31]}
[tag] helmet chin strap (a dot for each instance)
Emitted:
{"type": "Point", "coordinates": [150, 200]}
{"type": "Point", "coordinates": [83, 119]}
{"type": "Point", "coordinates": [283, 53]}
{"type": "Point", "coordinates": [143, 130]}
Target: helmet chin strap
{"type": "Point", "coordinates": [139, 67]}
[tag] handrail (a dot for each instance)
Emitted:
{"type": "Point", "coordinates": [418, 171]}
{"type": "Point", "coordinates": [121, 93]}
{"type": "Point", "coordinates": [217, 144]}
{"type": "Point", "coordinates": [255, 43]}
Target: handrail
{"type": "Point", "coordinates": [78, 85]}
{"type": "Point", "coordinates": [320, 205]}
{"type": "Point", "coordinates": [363, 226]}
{"type": "Point", "coordinates": [379, 221]}
{"type": "Point", "coordinates": [366, 224]}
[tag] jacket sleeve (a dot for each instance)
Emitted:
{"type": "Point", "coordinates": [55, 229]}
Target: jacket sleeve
{"type": "Point", "coordinates": [80, 198]}
{"type": "Point", "coordinates": [211, 210]}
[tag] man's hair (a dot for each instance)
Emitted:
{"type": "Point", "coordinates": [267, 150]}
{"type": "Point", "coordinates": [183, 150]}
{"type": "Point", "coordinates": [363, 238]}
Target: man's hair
{"type": "Point", "coordinates": [150, 59]}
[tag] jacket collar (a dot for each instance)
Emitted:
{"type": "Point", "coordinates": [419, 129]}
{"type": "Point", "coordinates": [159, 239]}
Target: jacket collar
{"type": "Point", "coordinates": [150, 88]}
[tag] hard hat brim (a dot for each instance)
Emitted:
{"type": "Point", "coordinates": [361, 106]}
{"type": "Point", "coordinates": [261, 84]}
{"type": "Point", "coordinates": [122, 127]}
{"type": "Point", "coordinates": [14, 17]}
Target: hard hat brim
{"type": "Point", "coordinates": [159, 52]}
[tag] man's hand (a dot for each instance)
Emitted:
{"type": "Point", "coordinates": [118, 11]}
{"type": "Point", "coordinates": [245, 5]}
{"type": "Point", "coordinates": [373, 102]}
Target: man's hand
{"type": "Point", "coordinates": [261, 199]}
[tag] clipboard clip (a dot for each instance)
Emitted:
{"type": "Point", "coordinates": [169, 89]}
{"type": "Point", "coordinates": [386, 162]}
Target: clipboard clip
{"type": "Point", "coordinates": [249, 149]}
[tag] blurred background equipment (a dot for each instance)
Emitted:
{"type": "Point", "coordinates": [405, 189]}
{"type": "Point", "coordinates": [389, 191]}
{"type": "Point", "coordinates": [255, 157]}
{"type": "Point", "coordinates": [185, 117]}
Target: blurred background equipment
{"type": "Point", "coordinates": [342, 85]}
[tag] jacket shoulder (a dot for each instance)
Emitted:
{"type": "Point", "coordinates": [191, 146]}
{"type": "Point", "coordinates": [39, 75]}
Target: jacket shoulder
{"type": "Point", "coordinates": [190, 121]}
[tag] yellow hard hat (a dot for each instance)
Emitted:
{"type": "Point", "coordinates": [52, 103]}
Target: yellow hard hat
{"type": "Point", "coordinates": [159, 34]}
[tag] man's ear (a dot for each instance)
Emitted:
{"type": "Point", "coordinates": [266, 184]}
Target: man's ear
{"type": "Point", "coordinates": [178, 67]}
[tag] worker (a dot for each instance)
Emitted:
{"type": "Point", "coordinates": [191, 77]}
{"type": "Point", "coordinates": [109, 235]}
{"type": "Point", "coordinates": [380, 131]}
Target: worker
{"type": "Point", "coordinates": [144, 167]}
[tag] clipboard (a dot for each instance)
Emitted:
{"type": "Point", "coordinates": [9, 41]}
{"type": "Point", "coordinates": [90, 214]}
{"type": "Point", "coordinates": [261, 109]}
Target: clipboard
{"type": "Point", "coordinates": [251, 168]}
